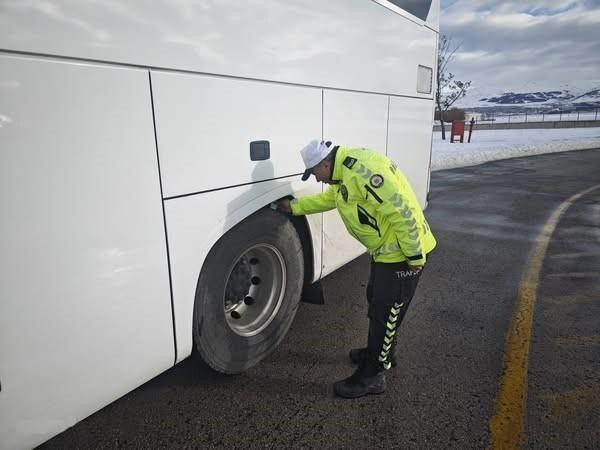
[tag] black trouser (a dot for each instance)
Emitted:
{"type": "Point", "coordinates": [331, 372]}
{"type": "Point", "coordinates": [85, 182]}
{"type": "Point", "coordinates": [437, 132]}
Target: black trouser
{"type": "Point", "coordinates": [390, 290]}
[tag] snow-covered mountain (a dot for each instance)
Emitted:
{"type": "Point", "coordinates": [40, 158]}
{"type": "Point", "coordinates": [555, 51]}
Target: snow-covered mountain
{"type": "Point", "coordinates": [513, 98]}
{"type": "Point", "coordinates": [564, 99]}
{"type": "Point", "coordinates": [589, 97]}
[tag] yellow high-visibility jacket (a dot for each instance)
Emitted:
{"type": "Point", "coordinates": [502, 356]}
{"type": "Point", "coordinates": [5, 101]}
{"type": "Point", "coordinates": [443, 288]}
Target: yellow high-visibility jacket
{"type": "Point", "coordinates": [377, 205]}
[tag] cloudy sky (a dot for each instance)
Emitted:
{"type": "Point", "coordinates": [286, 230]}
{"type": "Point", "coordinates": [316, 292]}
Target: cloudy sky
{"type": "Point", "coordinates": [524, 45]}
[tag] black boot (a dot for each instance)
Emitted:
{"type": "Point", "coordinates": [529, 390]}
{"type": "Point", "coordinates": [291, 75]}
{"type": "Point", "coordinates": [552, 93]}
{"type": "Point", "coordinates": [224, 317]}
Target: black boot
{"type": "Point", "coordinates": [365, 380]}
{"type": "Point", "coordinates": [360, 355]}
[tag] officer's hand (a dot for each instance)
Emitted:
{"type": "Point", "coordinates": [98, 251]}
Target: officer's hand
{"type": "Point", "coordinates": [284, 205]}
{"type": "Point", "coordinates": [416, 268]}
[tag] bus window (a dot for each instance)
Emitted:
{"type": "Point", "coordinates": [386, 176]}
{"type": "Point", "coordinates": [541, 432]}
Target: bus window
{"type": "Point", "coordinates": [418, 8]}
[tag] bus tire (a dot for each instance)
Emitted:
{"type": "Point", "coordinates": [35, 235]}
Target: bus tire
{"type": "Point", "coordinates": [248, 292]}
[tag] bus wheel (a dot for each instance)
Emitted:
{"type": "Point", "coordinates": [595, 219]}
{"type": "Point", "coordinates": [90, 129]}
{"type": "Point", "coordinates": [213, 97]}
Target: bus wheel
{"type": "Point", "coordinates": [248, 292]}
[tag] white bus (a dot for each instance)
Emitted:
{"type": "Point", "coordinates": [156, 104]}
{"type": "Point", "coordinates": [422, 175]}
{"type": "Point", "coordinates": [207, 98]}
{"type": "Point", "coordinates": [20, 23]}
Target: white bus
{"type": "Point", "coordinates": [141, 144]}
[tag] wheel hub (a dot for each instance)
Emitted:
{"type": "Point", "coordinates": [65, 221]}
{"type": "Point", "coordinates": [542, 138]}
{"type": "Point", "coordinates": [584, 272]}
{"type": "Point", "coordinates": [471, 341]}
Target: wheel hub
{"type": "Point", "coordinates": [238, 285]}
{"type": "Point", "coordinates": [255, 289]}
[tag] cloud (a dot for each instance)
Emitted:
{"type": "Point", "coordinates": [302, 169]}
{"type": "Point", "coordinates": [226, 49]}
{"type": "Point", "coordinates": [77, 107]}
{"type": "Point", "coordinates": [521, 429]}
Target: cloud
{"type": "Point", "coordinates": [524, 45]}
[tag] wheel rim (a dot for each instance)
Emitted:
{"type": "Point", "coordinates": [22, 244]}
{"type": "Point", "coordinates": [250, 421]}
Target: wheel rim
{"type": "Point", "coordinates": [255, 289]}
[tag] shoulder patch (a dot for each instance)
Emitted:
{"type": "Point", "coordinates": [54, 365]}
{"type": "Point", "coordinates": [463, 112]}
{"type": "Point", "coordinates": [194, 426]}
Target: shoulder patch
{"type": "Point", "coordinates": [376, 180]}
{"type": "Point", "coordinates": [349, 162]}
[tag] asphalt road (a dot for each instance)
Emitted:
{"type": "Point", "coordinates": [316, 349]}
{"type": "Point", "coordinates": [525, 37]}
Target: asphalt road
{"type": "Point", "coordinates": [487, 219]}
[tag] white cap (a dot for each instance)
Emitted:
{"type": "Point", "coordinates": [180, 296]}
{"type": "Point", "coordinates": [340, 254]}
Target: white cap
{"type": "Point", "coordinates": [315, 152]}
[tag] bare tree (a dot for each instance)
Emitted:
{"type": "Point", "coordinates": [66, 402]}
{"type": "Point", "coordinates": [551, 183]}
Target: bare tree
{"type": "Point", "coordinates": [448, 89]}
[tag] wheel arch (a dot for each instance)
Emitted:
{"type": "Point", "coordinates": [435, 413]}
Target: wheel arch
{"type": "Point", "coordinates": [285, 236]}
{"type": "Point", "coordinates": [305, 233]}
{"type": "Point", "coordinates": [196, 223]}
{"type": "Point", "coordinates": [303, 230]}
{"type": "Point", "coordinates": [308, 230]}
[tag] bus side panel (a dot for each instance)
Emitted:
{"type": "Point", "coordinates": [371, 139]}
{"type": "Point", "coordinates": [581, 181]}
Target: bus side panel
{"type": "Point", "coordinates": [197, 222]}
{"type": "Point", "coordinates": [353, 120]}
{"type": "Point", "coordinates": [409, 141]}
{"type": "Point", "coordinates": [85, 314]}
{"type": "Point", "coordinates": [205, 126]}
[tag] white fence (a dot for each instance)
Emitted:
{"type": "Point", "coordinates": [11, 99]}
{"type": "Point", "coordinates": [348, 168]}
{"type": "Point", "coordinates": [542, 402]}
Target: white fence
{"type": "Point", "coordinates": [538, 117]}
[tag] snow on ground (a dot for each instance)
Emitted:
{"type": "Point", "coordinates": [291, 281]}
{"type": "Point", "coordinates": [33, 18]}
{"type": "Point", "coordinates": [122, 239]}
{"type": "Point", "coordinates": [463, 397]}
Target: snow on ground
{"type": "Point", "coordinates": [490, 145]}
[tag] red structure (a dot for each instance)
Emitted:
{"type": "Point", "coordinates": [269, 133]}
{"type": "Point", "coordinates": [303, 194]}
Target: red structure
{"type": "Point", "coordinates": [458, 129]}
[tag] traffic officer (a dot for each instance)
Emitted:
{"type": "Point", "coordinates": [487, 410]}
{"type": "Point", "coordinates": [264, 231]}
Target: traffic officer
{"type": "Point", "coordinates": [380, 209]}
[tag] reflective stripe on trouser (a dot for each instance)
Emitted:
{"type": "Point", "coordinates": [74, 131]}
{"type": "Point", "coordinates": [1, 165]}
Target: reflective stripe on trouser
{"type": "Point", "coordinates": [390, 291]}
{"type": "Point", "coordinates": [390, 332]}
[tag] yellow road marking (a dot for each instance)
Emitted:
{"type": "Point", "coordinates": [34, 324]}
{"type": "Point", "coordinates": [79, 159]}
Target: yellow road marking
{"type": "Point", "coordinates": [506, 426]}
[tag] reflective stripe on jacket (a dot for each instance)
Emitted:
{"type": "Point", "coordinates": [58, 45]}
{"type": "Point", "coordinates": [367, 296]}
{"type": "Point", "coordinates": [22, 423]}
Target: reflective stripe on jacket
{"type": "Point", "coordinates": [377, 205]}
